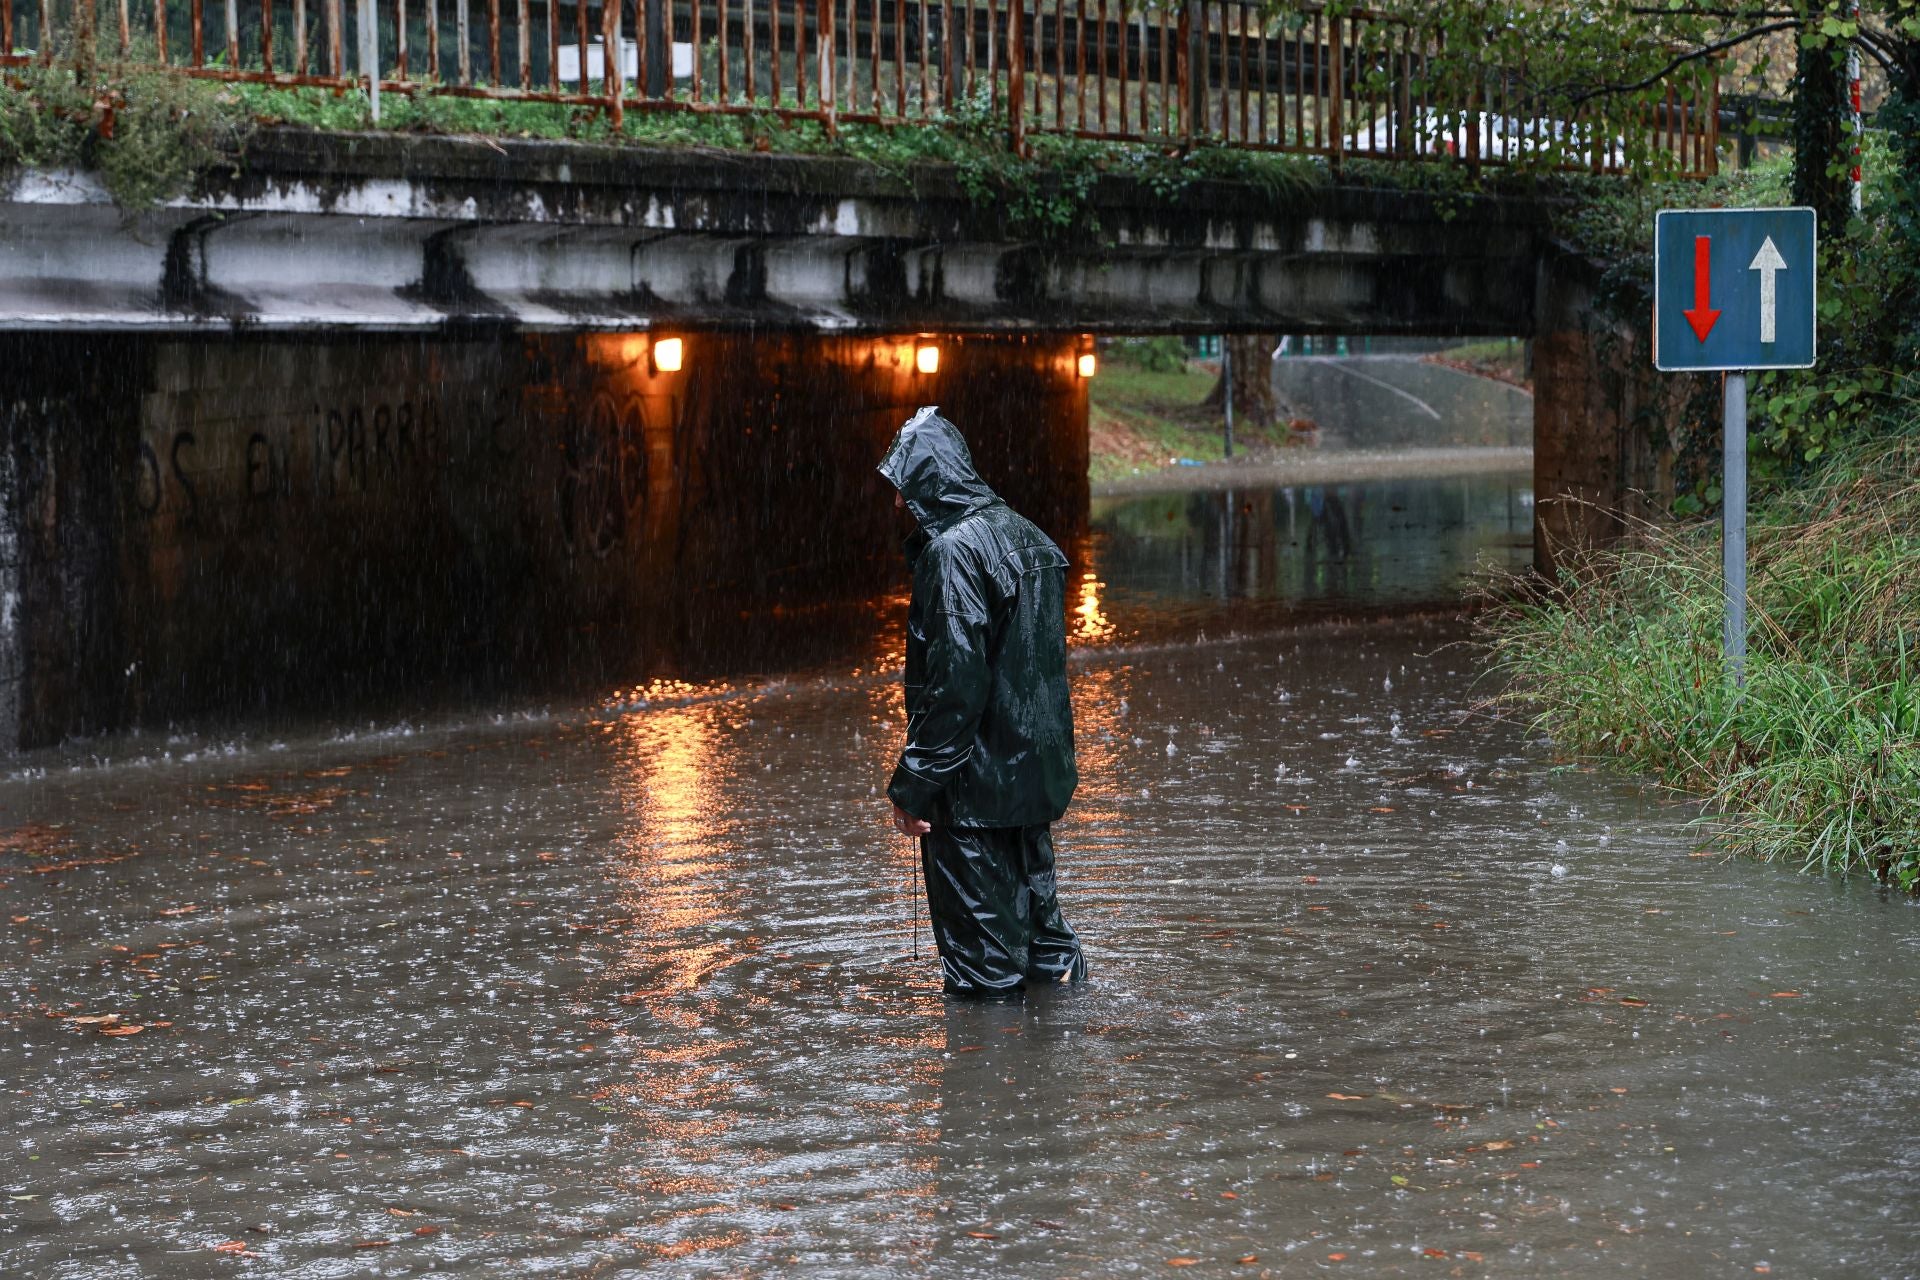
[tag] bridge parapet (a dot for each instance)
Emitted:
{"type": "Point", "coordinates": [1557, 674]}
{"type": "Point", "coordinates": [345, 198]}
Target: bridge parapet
{"type": "Point", "coordinates": [1309, 78]}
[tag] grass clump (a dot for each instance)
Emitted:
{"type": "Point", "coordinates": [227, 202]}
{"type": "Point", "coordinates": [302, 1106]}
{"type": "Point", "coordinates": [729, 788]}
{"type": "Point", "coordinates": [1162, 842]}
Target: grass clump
{"type": "Point", "coordinates": [147, 133]}
{"type": "Point", "coordinates": [1817, 759]}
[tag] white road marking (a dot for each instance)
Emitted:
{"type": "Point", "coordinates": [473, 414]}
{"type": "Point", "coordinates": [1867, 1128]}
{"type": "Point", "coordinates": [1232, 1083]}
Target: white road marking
{"type": "Point", "coordinates": [1420, 404]}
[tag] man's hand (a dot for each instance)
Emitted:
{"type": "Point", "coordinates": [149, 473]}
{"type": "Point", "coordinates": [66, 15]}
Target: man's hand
{"type": "Point", "coordinates": [908, 825]}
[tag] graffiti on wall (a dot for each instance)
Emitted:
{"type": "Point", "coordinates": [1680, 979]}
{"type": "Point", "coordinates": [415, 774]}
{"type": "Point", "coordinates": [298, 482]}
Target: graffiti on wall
{"type": "Point", "coordinates": [329, 451]}
{"type": "Point", "coordinates": [604, 472]}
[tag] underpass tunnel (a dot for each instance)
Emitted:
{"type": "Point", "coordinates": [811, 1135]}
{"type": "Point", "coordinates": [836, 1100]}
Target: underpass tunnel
{"type": "Point", "coordinates": [280, 524]}
{"type": "Point", "coordinates": [1359, 474]}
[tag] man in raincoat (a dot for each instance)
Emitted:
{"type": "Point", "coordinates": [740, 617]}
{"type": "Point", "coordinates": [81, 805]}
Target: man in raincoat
{"type": "Point", "coordinates": [988, 763]}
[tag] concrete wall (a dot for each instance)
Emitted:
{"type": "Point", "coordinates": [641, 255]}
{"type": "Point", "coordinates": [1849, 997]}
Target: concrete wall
{"type": "Point", "coordinates": [1611, 435]}
{"type": "Point", "coordinates": [194, 528]}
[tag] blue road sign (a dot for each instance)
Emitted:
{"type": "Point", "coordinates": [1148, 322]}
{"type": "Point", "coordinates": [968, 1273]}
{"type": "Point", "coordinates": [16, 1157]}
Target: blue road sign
{"type": "Point", "coordinates": [1733, 289]}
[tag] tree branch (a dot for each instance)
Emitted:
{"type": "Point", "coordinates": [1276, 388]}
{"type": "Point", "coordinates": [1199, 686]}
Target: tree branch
{"type": "Point", "coordinates": [1742, 14]}
{"type": "Point", "coordinates": [1692, 55]}
{"type": "Point", "coordinates": [1881, 48]}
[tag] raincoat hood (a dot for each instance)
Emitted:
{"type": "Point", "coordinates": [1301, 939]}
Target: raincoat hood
{"type": "Point", "coordinates": [929, 464]}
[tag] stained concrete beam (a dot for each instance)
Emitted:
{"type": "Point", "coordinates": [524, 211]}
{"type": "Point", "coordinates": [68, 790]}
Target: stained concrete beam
{"type": "Point", "coordinates": [331, 233]}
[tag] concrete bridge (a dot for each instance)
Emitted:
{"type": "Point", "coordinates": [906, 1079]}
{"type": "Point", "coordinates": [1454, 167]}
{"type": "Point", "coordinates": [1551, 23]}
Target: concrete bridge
{"type": "Point", "coordinates": [378, 412]}
{"type": "Point", "coordinates": [386, 233]}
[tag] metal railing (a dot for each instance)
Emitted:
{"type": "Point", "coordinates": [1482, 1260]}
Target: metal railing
{"type": "Point", "coordinates": [1295, 79]}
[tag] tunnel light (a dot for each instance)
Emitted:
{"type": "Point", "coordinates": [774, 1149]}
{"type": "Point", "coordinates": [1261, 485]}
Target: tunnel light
{"type": "Point", "coordinates": [1089, 364]}
{"type": "Point", "coordinates": [667, 354]}
{"type": "Point", "coordinates": [926, 358]}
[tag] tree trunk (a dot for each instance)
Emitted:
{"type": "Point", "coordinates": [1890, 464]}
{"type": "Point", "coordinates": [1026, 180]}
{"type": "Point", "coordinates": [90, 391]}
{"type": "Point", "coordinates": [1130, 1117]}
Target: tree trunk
{"type": "Point", "coordinates": [1821, 142]}
{"type": "Point", "coordinates": [1253, 401]}
{"type": "Point", "coordinates": [1901, 117]}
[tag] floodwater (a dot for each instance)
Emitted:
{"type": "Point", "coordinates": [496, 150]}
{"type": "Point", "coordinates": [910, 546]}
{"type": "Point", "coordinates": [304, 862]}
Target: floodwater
{"type": "Point", "coordinates": [1379, 988]}
{"type": "Point", "coordinates": [1248, 559]}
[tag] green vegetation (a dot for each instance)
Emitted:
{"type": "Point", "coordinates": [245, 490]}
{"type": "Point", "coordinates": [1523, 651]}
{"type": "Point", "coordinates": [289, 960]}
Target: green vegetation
{"type": "Point", "coordinates": [150, 134]}
{"type": "Point", "coordinates": [1501, 358]}
{"type": "Point", "coordinates": [1142, 413]}
{"type": "Point", "coordinates": [1818, 759]}
{"type": "Point", "coordinates": [148, 141]}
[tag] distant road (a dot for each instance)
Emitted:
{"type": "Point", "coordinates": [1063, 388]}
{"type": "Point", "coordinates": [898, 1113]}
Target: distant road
{"type": "Point", "coordinates": [1384, 401]}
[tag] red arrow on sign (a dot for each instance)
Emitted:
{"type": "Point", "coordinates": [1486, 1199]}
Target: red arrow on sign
{"type": "Point", "coordinates": [1703, 316]}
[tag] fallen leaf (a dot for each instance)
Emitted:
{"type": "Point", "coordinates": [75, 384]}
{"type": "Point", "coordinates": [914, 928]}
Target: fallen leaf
{"type": "Point", "coordinates": [1633, 1002]}
{"type": "Point", "coordinates": [1247, 1259]}
{"type": "Point", "coordinates": [1348, 1097]}
{"type": "Point", "coordinates": [404, 1213]}
{"type": "Point", "coordinates": [1182, 1261]}
{"type": "Point", "coordinates": [1471, 1256]}
{"type": "Point", "coordinates": [235, 1246]}
{"type": "Point", "coordinates": [1310, 879]}
{"type": "Point", "coordinates": [372, 1244]}
{"type": "Point", "coordinates": [1398, 1180]}
{"type": "Point", "coordinates": [1501, 1144]}
{"type": "Point", "coordinates": [1435, 1253]}
{"type": "Point", "coordinates": [426, 1231]}
{"type": "Point", "coordinates": [1380, 808]}
{"type": "Point", "coordinates": [1336, 1257]}
{"type": "Point", "coordinates": [95, 1019]}
{"type": "Point", "coordinates": [187, 910]}
{"type": "Point", "coordinates": [1229, 1195]}
{"type": "Point", "coordinates": [523, 1104]}
{"type": "Point", "coordinates": [984, 1235]}
{"type": "Point", "coordinates": [1786, 995]}
{"type": "Point", "coordinates": [1616, 1089]}
{"type": "Point", "coordinates": [129, 1029]}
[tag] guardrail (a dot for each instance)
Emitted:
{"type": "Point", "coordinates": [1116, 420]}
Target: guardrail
{"type": "Point", "coordinates": [1299, 78]}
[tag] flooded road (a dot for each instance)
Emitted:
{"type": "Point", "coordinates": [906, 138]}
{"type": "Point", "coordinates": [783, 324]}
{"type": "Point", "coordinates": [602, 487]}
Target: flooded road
{"type": "Point", "coordinates": [631, 988]}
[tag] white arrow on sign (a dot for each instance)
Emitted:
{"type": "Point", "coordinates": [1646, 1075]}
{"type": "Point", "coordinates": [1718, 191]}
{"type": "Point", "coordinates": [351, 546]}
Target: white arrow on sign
{"type": "Point", "coordinates": [1767, 262]}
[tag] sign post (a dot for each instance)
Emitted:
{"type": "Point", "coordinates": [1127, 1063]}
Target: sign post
{"type": "Point", "coordinates": [1734, 290]}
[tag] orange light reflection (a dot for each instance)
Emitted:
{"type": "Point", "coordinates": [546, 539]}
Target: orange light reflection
{"type": "Point", "coordinates": [1093, 624]}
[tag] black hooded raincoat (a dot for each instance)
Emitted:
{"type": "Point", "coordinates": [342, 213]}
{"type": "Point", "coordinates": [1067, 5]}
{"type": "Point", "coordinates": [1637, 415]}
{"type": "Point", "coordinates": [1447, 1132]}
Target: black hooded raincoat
{"type": "Point", "coordinates": [989, 755]}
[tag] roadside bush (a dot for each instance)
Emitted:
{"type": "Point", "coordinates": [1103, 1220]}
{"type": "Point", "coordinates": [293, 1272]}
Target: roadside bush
{"type": "Point", "coordinates": [1818, 758]}
{"type": "Point", "coordinates": [167, 131]}
{"type": "Point", "coordinates": [45, 119]}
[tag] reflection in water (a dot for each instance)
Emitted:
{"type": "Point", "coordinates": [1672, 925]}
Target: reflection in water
{"type": "Point", "coordinates": [1271, 556]}
{"type": "Point", "coordinates": [676, 859]}
{"type": "Point", "coordinates": [1090, 623]}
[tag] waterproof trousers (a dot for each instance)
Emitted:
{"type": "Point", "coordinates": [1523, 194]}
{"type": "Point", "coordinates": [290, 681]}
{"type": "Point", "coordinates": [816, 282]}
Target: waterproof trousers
{"type": "Point", "coordinates": [995, 911]}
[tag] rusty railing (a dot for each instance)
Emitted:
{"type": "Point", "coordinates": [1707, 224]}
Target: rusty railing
{"type": "Point", "coordinates": [1297, 79]}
